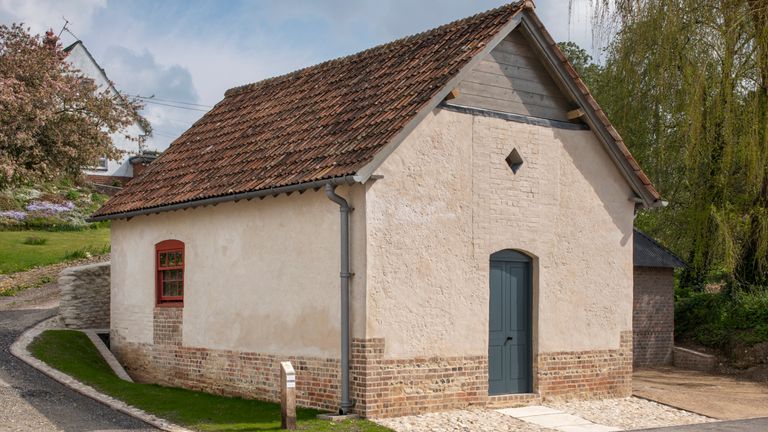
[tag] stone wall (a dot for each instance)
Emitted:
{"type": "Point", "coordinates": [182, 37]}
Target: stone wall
{"type": "Point", "coordinates": [85, 296]}
{"type": "Point", "coordinates": [653, 316]}
{"type": "Point", "coordinates": [693, 360]}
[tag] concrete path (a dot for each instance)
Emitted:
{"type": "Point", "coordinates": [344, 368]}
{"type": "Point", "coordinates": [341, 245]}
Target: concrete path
{"type": "Point", "coordinates": [30, 401]}
{"type": "Point", "coordinates": [750, 425]}
{"type": "Point", "coordinates": [714, 396]}
{"type": "Point", "coordinates": [555, 419]}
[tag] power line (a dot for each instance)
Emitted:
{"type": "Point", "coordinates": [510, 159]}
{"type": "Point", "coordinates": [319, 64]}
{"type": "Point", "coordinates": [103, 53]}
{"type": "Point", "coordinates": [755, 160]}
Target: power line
{"type": "Point", "coordinates": [175, 106]}
{"type": "Point", "coordinates": [153, 98]}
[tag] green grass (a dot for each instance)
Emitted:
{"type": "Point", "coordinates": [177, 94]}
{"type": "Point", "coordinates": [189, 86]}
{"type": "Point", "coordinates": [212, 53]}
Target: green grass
{"type": "Point", "coordinates": [57, 246]}
{"type": "Point", "coordinates": [73, 353]}
{"type": "Point", "coordinates": [35, 241]}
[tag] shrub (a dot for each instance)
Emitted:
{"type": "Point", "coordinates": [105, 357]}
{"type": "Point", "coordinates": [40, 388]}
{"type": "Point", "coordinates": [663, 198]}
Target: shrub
{"type": "Point", "coordinates": [8, 202]}
{"type": "Point", "coordinates": [35, 241]}
{"type": "Point", "coordinates": [73, 195]}
{"type": "Point", "coordinates": [719, 320]}
{"type": "Point", "coordinates": [86, 252]}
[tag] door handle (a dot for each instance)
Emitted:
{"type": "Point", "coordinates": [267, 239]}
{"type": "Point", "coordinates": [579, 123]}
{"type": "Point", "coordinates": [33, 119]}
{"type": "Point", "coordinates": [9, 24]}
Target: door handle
{"type": "Point", "coordinates": [509, 338]}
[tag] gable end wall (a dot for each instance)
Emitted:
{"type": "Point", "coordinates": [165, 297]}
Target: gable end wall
{"type": "Point", "coordinates": [512, 79]}
{"type": "Point", "coordinates": [446, 201]}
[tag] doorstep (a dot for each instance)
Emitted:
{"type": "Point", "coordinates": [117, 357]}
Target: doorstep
{"type": "Point", "coordinates": [513, 400]}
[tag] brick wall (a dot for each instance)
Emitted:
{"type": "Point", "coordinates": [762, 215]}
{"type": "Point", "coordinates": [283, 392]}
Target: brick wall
{"type": "Point", "coordinates": [395, 387]}
{"type": "Point", "coordinates": [244, 374]}
{"type": "Point", "coordinates": [85, 296]}
{"type": "Point", "coordinates": [587, 374]}
{"type": "Point", "coordinates": [381, 387]}
{"type": "Point", "coordinates": [653, 316]}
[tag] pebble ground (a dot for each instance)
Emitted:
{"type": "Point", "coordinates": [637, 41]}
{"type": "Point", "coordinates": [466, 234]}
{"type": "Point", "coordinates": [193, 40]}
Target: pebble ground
{"type": "Point", "coordinates": [628, 414]}
{"type": "Point", "coordinates": [470, 420]}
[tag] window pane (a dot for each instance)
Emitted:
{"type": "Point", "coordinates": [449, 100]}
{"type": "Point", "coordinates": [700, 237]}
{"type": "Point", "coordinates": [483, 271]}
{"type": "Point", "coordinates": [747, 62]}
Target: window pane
{"type": "Point", "coordinates": [179, 260]}
{"type": "Point", "coordinates": [171, 258]}
{"type": "Point", "coordinates": [162, 259]}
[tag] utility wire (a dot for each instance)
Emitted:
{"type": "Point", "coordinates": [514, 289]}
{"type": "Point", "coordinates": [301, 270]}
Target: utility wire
{"type": "Point", "coordinates": [153, 98]}
{"type": "Point", "coordinates": [175, 106]}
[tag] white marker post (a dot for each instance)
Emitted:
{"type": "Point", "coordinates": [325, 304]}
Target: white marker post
{"type": "Point", "coordinates": [288, 395]}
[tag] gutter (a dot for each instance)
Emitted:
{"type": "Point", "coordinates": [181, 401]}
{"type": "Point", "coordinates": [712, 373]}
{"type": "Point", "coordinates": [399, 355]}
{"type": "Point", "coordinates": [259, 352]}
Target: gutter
{"type": "Point", "coordinates": [344, 275]}
{"type": "Point", "coordinates": [235, 197]}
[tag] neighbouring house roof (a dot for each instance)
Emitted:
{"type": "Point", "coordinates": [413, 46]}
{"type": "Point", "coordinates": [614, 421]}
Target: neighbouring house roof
{"type": "Point", "coordinates": [109, 82]}
{"type": "Point", "coordinates": [650, 253]}
{"type": "Point", "coordinates": [328, 121]}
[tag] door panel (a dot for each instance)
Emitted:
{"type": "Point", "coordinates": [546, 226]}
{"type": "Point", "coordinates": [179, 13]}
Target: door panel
{"type": "Point", "coordinates": [509, 343]}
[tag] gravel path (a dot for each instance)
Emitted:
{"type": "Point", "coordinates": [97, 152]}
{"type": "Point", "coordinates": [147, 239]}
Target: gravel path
{"type": "Point", "coordinates": [471, 420]}
{"type": "Point", "coordinates": [30, 401]}
{"type": "Point", "coordinates": [629, 413]}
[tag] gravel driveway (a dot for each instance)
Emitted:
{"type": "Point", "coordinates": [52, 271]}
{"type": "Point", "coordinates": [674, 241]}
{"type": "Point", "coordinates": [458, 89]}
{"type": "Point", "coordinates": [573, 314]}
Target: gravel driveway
{"type": "Point", "coordinates": [30, 401]}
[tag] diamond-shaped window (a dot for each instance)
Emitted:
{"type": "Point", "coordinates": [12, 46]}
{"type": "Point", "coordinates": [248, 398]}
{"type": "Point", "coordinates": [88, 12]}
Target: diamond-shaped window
{"type": "Point", "coordinates": [514, 160]}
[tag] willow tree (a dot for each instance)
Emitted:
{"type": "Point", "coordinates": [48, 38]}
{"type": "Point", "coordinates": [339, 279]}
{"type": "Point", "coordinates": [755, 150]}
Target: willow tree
{"type": "Point", "coordinates": [686, 82]}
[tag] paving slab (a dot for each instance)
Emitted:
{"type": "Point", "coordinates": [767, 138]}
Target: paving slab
{"type": "Point", "coordinates": [529, 411]}
{"type": "Point", "coordinates": [588, 428]}
{"type": "Point", "coordinates": [717, 396]}
{"type": "Point", "coordinates": [556, 420]}
{"type": "Point", "coordinates": [552, 418]}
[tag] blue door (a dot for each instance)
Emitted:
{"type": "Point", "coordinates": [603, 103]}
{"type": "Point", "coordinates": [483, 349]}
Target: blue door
{"type": "Point", "coordinates": [509, 343]}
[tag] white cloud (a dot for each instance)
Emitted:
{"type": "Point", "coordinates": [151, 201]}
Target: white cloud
{"type": "Point", "coordinates": [193, 52]}
{"type": "Point", "coordinates": [40, 15]}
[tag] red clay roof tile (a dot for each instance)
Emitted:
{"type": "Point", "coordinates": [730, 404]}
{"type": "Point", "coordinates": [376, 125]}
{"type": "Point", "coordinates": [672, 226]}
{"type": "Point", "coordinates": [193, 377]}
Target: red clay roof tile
{"type": "Point", "coordinates": [325, 121]}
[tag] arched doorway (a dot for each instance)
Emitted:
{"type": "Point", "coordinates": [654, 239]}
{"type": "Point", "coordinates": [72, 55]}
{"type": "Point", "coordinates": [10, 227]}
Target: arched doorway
{"type": "Point", "coordinates": [510, 324]}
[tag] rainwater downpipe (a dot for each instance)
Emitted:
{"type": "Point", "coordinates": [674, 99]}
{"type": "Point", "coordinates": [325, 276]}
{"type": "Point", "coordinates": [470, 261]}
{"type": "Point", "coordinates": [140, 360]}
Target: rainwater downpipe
{"type": "Point", "coordinates": [345, 209]}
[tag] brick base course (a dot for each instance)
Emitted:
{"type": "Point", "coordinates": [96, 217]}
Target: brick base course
{"type": "Point", "coordinates": [587, 374]}
{"type": "Point", "coordinates": [381, 387]}
{"type": "Point", "coordinates": [232, 373]}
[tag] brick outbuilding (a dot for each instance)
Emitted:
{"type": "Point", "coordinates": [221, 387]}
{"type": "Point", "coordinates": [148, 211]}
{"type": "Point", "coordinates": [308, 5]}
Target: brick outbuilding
{"type": "Point", "coordinates": [438, 222]}
{"type": "Point", "coordinates": [653, 315]}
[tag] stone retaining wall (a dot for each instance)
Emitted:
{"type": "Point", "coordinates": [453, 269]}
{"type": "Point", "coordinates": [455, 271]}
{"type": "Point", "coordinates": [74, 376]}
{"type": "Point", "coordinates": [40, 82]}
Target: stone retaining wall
{"type": "Point", "coordinates": [85, 296]}
{"type": "Point", "coordinates": [693, 360]}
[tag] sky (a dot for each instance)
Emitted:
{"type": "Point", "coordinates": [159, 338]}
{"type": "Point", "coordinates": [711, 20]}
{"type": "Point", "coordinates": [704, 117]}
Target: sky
{"type": "Point", "coordinates": [186, 53]}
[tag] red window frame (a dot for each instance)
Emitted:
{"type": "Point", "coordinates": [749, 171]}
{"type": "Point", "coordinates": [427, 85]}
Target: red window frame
{"type": "Point", "coordinates": [175, 249]}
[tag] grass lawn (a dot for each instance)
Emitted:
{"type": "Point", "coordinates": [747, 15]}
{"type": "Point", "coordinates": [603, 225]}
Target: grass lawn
{"type": "Point", "coordinates": [57, 246]}
{"type": "Point", "coordinates": [73, 353]}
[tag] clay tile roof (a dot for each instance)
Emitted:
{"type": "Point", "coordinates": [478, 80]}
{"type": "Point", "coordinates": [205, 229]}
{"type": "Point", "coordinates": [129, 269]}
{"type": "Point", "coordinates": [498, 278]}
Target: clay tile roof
{"type": "Point", "coordinates": [322, 122]}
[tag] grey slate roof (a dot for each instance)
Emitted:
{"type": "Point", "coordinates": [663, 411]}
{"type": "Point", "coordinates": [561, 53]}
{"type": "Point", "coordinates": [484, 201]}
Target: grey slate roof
{"type": "Point", "coordinates": [649, 253]}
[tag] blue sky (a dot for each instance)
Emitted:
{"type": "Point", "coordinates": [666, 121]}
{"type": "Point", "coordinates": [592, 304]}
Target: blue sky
{"type": "Point", "coordinates": [192, 51]}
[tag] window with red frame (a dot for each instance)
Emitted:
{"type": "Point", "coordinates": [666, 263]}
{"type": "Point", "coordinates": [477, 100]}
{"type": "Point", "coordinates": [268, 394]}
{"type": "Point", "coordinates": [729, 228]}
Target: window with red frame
{"type": "Point", "coordinates": [169, 261]}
